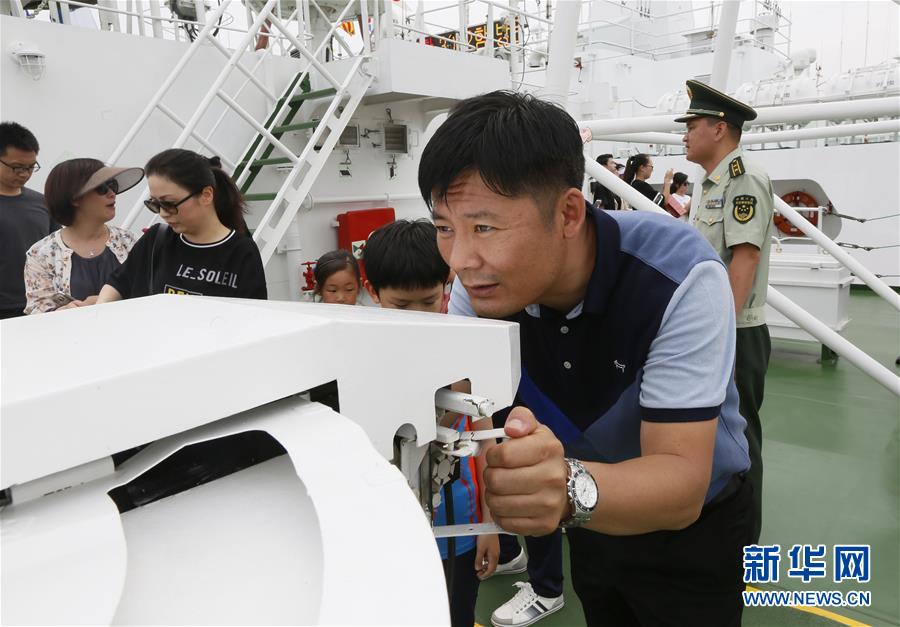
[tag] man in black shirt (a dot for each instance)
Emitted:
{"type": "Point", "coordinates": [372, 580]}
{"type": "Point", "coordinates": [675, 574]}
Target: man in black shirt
{"type": "Point", "coordinates": [604, 198]}
{"type": "Point", "coordinates": [23, 215]}
{"type": "Point", "coordinates": [626, 427]}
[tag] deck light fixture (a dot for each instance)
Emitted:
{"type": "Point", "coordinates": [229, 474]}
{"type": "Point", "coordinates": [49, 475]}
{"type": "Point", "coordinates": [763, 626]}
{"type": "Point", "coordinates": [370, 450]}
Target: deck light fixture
{"type": "Point", "coordinates": [31, 60]}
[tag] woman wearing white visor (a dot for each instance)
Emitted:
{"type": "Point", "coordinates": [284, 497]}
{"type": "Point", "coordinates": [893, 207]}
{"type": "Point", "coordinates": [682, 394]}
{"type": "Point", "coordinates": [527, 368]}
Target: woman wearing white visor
{"type": "Point", "coordinates": [69, 267]}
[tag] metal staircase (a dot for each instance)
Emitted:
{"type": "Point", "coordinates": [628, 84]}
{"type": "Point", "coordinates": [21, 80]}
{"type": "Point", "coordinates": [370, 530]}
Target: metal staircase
{"type": "Point", "coordinates": [344, 99]}
{"type": "Point", "coordinates": [267, 148]}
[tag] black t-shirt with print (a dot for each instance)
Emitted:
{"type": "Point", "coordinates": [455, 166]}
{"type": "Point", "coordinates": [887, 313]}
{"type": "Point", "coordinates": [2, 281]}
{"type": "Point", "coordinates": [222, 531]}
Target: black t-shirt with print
{"type": "Point", "coordinates": [230, 267]}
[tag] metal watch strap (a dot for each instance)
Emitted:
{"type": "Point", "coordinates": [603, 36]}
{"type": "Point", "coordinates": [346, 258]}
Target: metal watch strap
{"type": "Point", "coordinates": [580, 515]}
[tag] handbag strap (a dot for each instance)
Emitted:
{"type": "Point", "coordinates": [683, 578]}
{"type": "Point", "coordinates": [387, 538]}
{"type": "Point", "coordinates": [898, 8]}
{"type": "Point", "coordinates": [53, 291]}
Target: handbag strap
{"type": "Point", "coordinates": [158, 240]}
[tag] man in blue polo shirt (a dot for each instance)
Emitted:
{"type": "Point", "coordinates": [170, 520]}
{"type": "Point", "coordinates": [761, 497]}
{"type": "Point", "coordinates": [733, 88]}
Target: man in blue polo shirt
{"type": "Point", "coordinates": [626, 423]}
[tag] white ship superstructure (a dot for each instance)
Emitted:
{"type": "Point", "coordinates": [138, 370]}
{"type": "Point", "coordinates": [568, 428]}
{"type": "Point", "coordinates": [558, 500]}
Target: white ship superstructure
{"type": "Point", "coordinates": [323, 107]}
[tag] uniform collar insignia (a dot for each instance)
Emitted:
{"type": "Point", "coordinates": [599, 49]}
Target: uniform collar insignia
{"type": "Point", "coordinates": [723, 168]}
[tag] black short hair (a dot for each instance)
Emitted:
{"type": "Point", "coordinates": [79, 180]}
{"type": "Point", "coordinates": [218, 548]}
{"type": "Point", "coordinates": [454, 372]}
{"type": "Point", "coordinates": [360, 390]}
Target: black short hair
{"type": "Point", "coordinates": [734, 131]}
{"type": "Point", "coordinates": [17, 136]}
{"type": "Point", "coordinates": [520, 145]}
{"type": "Point", "coordinates": [404, 255]}
{"type": "Point", "coordinates": [604, 159]}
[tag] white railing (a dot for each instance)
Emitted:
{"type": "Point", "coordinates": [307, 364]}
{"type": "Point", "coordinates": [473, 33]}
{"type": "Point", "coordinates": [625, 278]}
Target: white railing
{"type": "Point", "coordinates": [153, 18]}
{"type": "Point", "coordinates": [880, 107]}
{"type": "Point", "coordinates": [865, 109]}
{"type": "Point", "coordinates": [852, 129]}
{"type": "Point", "coordinates": [778, 301]}
{"type": "Point", "coordinates": [748, 30]}
{"type": "Point", "coordinates": [455, 33]}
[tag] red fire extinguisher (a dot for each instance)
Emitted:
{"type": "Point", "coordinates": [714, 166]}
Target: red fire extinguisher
{"type": "Point", "coordinates": [309, 275]}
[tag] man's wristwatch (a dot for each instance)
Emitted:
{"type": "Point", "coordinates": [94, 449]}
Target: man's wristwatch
{"type": "Point", "coordinates": [583, 494]}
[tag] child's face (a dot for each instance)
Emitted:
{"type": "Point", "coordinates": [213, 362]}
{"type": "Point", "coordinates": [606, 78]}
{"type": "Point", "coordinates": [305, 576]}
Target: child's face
{"type": "Point", "coordinates": [341, 288]}
{"type": "Point", "coordinates": [428, 299]}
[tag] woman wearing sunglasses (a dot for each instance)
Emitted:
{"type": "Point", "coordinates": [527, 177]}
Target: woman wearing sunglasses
{"type": "Point", "coordinates": [203, 248]}
{"type": "Point", "coordinates": [68, 267]}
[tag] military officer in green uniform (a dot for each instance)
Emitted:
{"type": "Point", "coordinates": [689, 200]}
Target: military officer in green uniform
{"type": "Point", "coordinates": [734, 213]}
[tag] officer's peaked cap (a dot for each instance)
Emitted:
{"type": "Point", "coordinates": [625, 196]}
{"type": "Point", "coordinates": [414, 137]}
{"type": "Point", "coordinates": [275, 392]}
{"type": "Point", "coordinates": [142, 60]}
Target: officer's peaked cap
{"type": "Point", "coordinates": [707, 102]}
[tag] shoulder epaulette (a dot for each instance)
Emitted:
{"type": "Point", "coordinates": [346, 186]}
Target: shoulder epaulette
{"type": "Point", "coordinates": [736, 167]}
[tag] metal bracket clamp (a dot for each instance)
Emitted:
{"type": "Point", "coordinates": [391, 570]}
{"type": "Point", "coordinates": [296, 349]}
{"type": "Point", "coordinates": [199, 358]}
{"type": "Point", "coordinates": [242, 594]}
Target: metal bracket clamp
{"type": "Point", "coordinates": [475, 406]}
{"type": "Point", "coordinates": [447, 447]}
{"type": "Point", "coordinates": [465, 443]}
{"type": "Point", "coordinates": [469, 442]}
{"type": "Point", "coordinates": [460, 444]}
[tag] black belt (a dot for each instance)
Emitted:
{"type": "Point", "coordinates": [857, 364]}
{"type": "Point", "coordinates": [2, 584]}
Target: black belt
{"type": "Point", "coordinates": [730, 489]}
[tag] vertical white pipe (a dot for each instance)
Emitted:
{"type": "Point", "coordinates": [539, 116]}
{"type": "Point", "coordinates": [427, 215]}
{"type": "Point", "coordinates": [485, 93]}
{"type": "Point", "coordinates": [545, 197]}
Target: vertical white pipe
{"type": "Point", "coordinates": [129, 6]}
{"type": "Point", "coordinates": [718, 77]}
{"type": "Point", "coordinates": [562, 52]}
{"type": "Point", "coordinates": [248, 15]}
{"type": "Point", "coordinates": [55, 14]}
{"type": "Point", "coordinates": [724, 44]}
{"type": "Point", "coordinates": [364, 20]}
{"type": "Point", "coordinates": [489, 29]}
{"type": "Point", "coordinates": [280, 40]}
{"type": "Point", "coordinates": [420, 18]}
{"type": "Point", "coordinates": [66, 13]}
{"type": "Point", "coordinates": [307, 25]}
{"type": "Point", "coordinates": [200, 7]}
{"type": "Point", "coordinates": [376, 31]}
{"type": "Point", "coordinates": [16, 8]}
{"type": "Point", "coordinates": [462, 36]}
{"type": "Point", "coordinates": [515, 49]}
{"type": "Point", "coordinates": [108, 19]}
{"type": "Point", "coordinates": [388, 19]}
{"type": "Point", "coordinates": [139, 9]}
{"type": "Point", "coordinates": [155, 19]}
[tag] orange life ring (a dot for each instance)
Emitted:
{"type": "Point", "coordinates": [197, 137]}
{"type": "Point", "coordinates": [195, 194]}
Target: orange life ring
{"type": "Point", "coordinates": [797, 199]}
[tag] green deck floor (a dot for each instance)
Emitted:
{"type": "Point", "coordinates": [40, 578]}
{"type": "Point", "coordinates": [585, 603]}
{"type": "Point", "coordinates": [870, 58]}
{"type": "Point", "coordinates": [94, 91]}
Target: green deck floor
{"type": "Point", "coordinates": [832, 471]}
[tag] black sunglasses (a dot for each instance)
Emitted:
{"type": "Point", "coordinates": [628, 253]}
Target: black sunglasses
{"type": "Point", "coordinates": [155, 205]}
{"type": "Point", "coordinates": [104, 187]}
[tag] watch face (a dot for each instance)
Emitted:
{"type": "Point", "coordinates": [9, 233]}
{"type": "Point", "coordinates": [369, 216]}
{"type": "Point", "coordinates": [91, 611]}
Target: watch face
{"type": "Point", "coordinates": [586, 491]}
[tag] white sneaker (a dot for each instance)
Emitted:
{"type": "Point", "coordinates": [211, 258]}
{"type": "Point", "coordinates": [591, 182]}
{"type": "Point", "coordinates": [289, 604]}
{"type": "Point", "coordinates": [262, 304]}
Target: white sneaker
{"type": "Point", "coordinates": [525, 608]}
{"type": "Point", "coordinates": [519, 564]}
